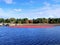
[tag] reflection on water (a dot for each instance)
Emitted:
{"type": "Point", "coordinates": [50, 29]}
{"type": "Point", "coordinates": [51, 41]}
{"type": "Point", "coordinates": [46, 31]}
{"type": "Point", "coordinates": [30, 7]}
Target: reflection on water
{"type": "Point", "coordinates": [30, 36]}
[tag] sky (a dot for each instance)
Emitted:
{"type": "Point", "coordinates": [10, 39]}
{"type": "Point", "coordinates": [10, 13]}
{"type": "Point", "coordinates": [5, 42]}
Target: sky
{"type": "Point", "coordinates": [30, 9]}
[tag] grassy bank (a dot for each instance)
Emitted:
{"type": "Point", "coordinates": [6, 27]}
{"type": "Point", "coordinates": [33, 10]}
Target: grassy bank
{"type": "Point", "coordinates": [34, 25]}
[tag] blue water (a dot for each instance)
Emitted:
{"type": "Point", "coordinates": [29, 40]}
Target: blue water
{"type": "Point", "coordinates": [30, 36]}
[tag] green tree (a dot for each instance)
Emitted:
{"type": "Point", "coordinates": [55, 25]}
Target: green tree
{"type": "Point", "coordinates": [1, 20]}
{"type": "Point", "coordinates": [18, 21]}
{"type": "Point", "coordinates": [39, 20]}
{"type": "Point", "coordinates": [43, 20]}
{"type": "Point", "coordinates": [12, 20]}
{"type": "Point", "coordinates": [7, 21]}
{"type": "Point", "coordinates": [24, 20]}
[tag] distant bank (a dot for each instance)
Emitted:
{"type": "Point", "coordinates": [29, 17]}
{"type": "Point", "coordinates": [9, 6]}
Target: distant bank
{"type": "Point", "coordinates": [10, 24]}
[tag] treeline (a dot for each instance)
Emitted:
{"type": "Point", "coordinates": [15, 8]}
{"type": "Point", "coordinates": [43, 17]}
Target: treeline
{"type": "Point", "coordinates": [33, 21]}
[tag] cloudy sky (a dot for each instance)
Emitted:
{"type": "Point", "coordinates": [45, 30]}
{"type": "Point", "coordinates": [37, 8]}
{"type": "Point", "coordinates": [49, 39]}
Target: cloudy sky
{"type": "Point", "coordinates": [29, 8]}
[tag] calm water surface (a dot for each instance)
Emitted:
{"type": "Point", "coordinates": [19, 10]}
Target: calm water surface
{"type": "Point", "coordinates": [30, 36]}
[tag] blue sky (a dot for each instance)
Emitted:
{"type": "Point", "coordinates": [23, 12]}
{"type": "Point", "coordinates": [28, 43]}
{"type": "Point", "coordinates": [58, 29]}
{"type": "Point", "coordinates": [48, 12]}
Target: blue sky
{"type": "Point", "coordinates": [29, 9]}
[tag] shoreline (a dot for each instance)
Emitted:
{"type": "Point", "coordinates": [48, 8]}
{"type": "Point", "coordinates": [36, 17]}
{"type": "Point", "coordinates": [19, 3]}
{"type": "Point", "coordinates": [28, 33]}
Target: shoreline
{"type": "Point", "coordinates": [32, 25]}
{"type": "Point", "coordinates": [9, 24]}
{"type": "Point", "coordinates": [40, 24]}
{"type": "Point", "coordinates": [35, 25]}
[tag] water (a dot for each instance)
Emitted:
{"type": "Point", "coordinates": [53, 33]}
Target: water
{"type": "Point", "coordinates": [30, 36]}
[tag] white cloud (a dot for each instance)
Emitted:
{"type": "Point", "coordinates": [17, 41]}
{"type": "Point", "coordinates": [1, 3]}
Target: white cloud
{"type": "Point", "coordinates": [29, 3]}
{"type": "Point", "coordinates": [9, 13]}
{"type": "Point", "coordinates": [46, 11]}
{"type": "Point", "coordinates": [18, 10]}
{"type": "Point", "coordinates": [1, 9]}
{"type": "Point", "coordinates": [46, 4]}
{"type": "Point", "coordinates": [56, 1]}
{"type": "Point", "coordinates": [52, 12]}
{"type": "Point", "coordinates": [8, 1]}
{"type": "Point", "coordinates": [2, 13]}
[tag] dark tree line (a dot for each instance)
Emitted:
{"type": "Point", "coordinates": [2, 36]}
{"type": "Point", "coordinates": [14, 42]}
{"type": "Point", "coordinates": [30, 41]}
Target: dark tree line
{"type": "Point", "coordinates": [33, 21]}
